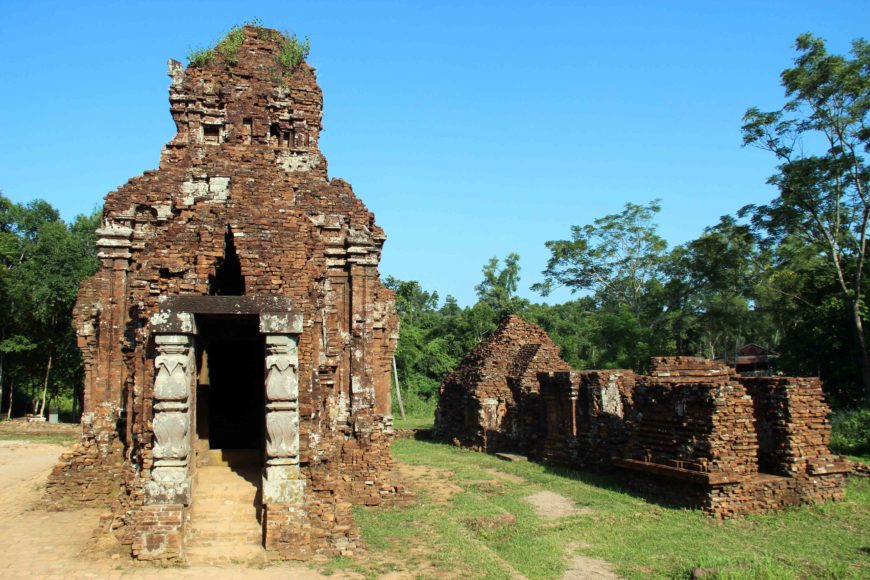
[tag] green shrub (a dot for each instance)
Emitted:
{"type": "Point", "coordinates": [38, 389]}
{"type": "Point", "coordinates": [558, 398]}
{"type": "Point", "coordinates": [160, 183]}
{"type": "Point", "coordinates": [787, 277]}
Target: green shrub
{"type": "Point", "coordinates": [851, 432]}
{"type": "Point", "coordinates": [199, 56]}
{"type": "Point", "coordinates": [293, 52]}
{"type": "Point", "coordinates": [229, 46]}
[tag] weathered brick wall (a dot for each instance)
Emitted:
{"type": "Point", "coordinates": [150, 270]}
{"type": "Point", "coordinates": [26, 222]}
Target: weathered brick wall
{"type": "Point", "coordinates": [690, 414]}
{"type": "Point", "coordinates": [490, 401]}
{"type": "Point", "coordinates": [158, 533]}
{"type": "Point", "coordinates": [245, 168]}
{"type": "Point", "coordinates": [691, 432]}
{"type": "Point", "coordinates": [792, 421]}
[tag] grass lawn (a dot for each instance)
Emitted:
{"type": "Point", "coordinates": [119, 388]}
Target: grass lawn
{"type": "Point", "coordinates": [62, 433]}
{"type": "Point", "coordinates": [448, 535]}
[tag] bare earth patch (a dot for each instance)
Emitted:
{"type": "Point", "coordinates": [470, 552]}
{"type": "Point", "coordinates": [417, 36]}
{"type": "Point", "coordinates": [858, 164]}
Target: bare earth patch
{"type": "Point", "coordinates": [552, 506]}
{"type": "Point", "coordinates": [435, 483]}
{"type": "Point", "coordinates": [583, 568]}
{"type": "Point", "coordinates": [509, 477]}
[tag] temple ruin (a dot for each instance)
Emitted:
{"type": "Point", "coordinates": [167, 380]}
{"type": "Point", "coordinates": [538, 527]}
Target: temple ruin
{"type": "Point", "coordinates": [693, 432]}
{"type": "Point", "coordinates": [488, 401]}
{"type": "Point", "coordinates": [237, 319]}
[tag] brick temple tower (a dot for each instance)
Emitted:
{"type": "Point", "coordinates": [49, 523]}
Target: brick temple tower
{"type": "Point", "coordinates": [237, 313]}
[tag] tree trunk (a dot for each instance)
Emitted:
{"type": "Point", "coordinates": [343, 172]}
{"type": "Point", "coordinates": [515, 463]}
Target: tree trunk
{"type": "Point", "coordinates": [864, 356]}
{"type": "Point", "coordinates": [11, 390]}
{"type": "Point", "coordinates": [2, 360]}
{"type": "Point", "coordinates": [45, 386]}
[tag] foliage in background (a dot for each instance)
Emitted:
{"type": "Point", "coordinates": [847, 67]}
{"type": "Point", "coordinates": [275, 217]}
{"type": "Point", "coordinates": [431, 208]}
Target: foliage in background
{"type": "Point", "coordinates": [819, 137]}
{"type": "Point", "coordinates": [42, 262]}
{"type": "Point", "coordinates": [851, 433]}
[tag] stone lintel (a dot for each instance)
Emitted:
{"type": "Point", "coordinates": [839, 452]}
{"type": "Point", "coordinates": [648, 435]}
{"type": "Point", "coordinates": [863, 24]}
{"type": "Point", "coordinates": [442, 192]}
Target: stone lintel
{"type": "Point", "coordinates": [172, 324]}
{"type": "Point", "coordinates": [280, 323]}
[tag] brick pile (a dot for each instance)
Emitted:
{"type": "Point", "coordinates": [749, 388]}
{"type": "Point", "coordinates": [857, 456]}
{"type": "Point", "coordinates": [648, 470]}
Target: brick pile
{"type": "Point", "coordinates": [490, 401]}
{"type": "Point", "coordinates": [245, 170]}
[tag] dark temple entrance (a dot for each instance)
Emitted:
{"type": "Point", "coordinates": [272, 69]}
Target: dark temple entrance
{"type": "Point", "coordinates": [230, 408]}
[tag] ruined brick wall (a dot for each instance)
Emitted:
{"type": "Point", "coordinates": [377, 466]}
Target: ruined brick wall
{"type": "Point", "coordinates": [490, 401]}
{"type": "Point", "coordinates": [89, 475]}
{"type": "Point", "coordinates": [701, 436]}
{"type": "Point", "coordinates": [245, 169]}
{"type": "Point", "coordinates": [690, 413]}
{"type": "Point", "coordinates": [584, 414]}
{"type": "Point", "coordinates": [694, 433]}
{"type": "Point", "coordinates": [791, 418]}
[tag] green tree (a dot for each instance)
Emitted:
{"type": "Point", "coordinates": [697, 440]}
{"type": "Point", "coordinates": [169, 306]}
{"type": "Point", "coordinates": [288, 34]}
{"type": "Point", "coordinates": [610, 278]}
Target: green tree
{"type": "Point", "coordinates": [617, 257]}
{"type": "Point", "coordinates": [42, 262]}
{"type": "Point", "coordinates": [819, 137]}
{"type": "Point", "coordinates": [499, 286]}
{"type": "Point", "coordinates": [709, 291]}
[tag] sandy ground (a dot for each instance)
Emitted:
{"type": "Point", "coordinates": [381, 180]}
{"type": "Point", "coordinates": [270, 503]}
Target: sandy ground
{"type": "Point", "coordinates": [36, 544]}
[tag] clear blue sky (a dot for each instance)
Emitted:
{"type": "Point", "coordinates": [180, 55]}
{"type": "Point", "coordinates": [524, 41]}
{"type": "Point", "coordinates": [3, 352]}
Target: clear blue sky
{"type": "Point", "coordinates": [471, 129]}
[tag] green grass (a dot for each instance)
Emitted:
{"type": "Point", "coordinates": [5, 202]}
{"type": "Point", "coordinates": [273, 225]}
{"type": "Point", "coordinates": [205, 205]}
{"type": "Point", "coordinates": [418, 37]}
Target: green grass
{"type": "Point", "coordinates": [414, 422]}
{"type": "Point", "coordinates": [61, 438]}
{"type": "Point", "coordinates": [641, 540]}
{"type": "Point", "coordinates": [291, 54]}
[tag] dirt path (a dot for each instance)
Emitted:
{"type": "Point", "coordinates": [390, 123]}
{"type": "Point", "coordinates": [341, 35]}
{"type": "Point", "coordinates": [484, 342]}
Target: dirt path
{"type": "Point", "coordinates": [35, 543]}
{"type": "Point", "coordinates": [552, 506]}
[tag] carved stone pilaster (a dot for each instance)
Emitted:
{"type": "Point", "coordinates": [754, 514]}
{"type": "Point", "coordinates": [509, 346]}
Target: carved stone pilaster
{"type": "Point", "coordinates": [175, 367]}
{"type": "Point", "coordinates": [282, 482]}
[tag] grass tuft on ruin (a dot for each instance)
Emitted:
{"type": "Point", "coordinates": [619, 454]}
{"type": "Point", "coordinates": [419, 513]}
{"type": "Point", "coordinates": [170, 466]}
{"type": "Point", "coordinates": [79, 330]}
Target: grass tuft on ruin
{"type": "Point", "coordinates": [292, 53]}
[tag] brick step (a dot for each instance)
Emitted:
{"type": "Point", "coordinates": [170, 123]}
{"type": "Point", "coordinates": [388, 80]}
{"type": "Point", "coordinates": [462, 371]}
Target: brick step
{"type": "Point", "coordinates": [238, 520]}
{"type": "Point", "coordinates": [228, 498]}
{"type": "Point", "coordinates": [225, 553]}
{"type": "Point", "coordinates": [230, 457]}
{"type": "Point", "coordinates": [223, 517]}
{"type": "Point", "coordinates": [201, 537]}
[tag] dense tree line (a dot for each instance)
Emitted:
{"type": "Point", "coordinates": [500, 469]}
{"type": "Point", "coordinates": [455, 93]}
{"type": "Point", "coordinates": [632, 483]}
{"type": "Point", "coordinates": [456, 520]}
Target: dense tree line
{"type": "Point", "coordinates": [787, 275]}
{"type": "Point", "coordinates": [42, 262]}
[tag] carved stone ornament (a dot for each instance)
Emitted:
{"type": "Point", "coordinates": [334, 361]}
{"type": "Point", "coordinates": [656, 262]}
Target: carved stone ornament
{"type": "Point", "coordinates": [170, 434]}
{"type": "Point", "coordinates": [282, 434]}
{"type": "Point", "coordinates": [281, 380]}
{"type": "Point", "coordinates": [172, 378]}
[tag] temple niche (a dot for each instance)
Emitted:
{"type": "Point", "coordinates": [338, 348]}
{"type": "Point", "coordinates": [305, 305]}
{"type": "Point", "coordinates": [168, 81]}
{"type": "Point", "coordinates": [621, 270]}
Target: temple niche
{"type": "Point", "coordinates": [237, 316]}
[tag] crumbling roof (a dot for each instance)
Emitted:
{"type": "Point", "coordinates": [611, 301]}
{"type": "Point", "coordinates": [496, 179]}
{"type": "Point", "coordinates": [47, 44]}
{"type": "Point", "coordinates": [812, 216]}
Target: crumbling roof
{"type": "Point", "coordinates": [508, 353]}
